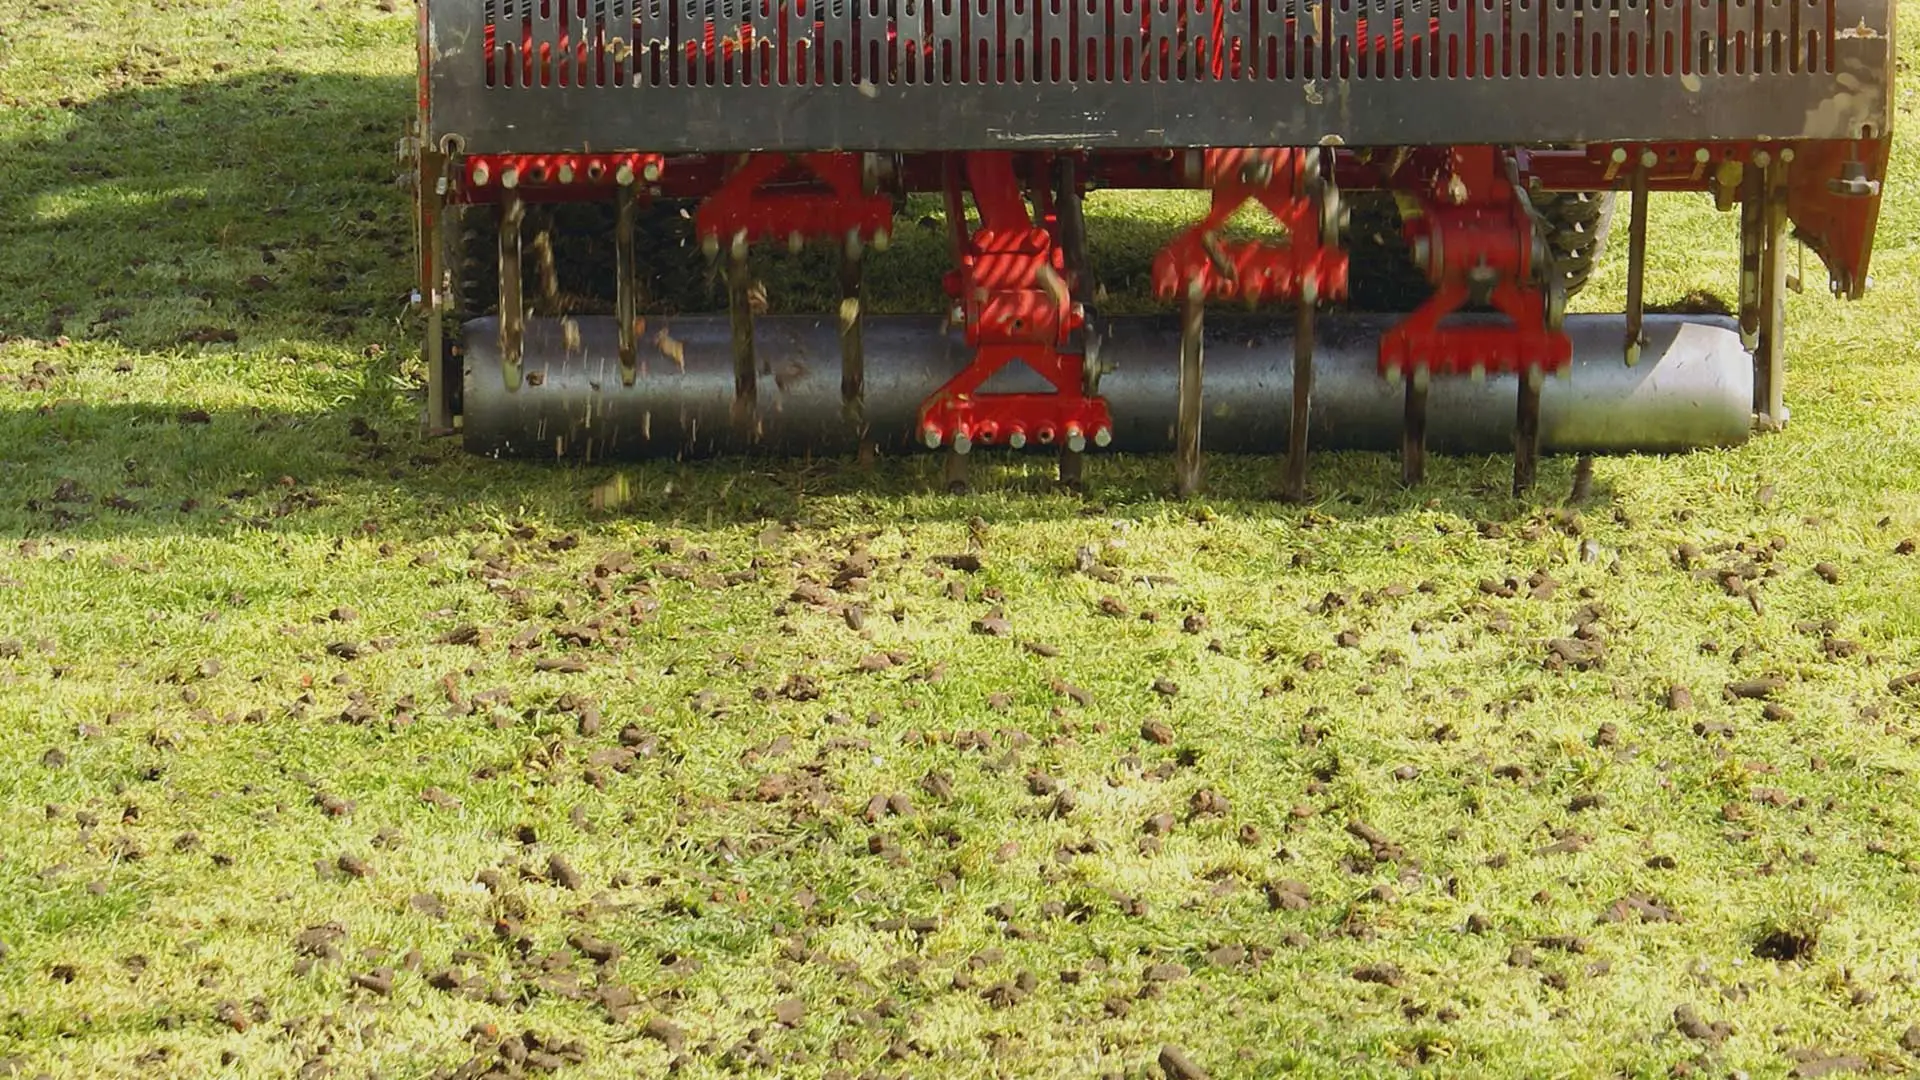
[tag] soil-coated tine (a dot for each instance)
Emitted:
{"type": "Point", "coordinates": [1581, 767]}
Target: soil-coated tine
{"type": "Point", "coordinates": [543, 259]}
{"type": "Point", "coordinates": [1582, 487]}
{"type": "Point", "coordinates": [853, 357]}
{"type": "Point", "coordinates": [1073, 230]}
{"type": "Point", "coordinates": [1073, 243]}
{"type": "Point", "coordinates": [954, 471]}
{"type": "Point", "coordinates": [740, 307]}
{"type": "Point", "coordinates": [512, 311]}
{"type": "Point", "coordinates": [1637, 262]}
{"type": "Point", "coordinates": [1186, 451]}
{"type": "Point", "coordinates": [1296, 490]}
{"type": "Point", "coordinates": [1413, 433]}
{"type": "Point", "coordinates": [440, 232]}
{"type": "Point", "coordinates": [952, 184]}
{"type": "Point", "coordinates": [1769, 357]}
{"type": "Point", "coordinates": [1526, 431]}
{"type": "Point", "coordinates": [627, 296]}
{"type": "Point", "coordinates": [1752, 245]}
{"type": "Point", "coordinates": [1072, 469]}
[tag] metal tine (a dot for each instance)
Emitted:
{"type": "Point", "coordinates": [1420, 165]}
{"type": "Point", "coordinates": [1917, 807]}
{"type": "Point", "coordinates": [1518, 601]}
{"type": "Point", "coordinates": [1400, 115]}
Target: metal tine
{"type": "Point", "coordinates": [1637, 259]}
{"type": "Point", "coordinates": [740, 307]}
{"type": "Point", "coordinates": [543, 260]}
{"type": "Point", "coordinates": [1303, 345]}
{"type": "Point", "coordinates": [1073, 238]}
{"type": "Point", "coordinates": [1073, 231]}
{"type": "Point", "coordinates": [1582, 487]}
{"type": "Point", "coordinates": [1637, 189]}
{"type": "Point", "coordinates": [1769, 372]}
{"type": "Point", "coordinates": [441, 227]}
{"type": "Point", "coordinates": [627, 299]}
{"type": "Point", "coordinates": [512, 312]}
{"type": "Point", "coordinates": [1526, 426]}
{"type": "Point", "coordinates": [1296, 490]}
{"type": "Point", "coordinates": [1413, 435]}
{"type": "Point", "coordinates": [1526, 431]}
{"type": "Point", "coordinates": [853, 358]}
{"type": "Point", "coordinates": [954, 472]}
{"type": "Point", "coordinates": [1186, 460]}
{"type": "Point", "coordinates": [1072, 468]}
{"type": "Point", "coordinates": [1753, 242]}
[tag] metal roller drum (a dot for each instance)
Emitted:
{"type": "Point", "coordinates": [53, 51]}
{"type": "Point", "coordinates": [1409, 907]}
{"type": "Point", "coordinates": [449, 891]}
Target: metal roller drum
{"type": "Point", "coordinates": [1693, 388]}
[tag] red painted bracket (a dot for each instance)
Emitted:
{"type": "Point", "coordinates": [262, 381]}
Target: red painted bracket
{"type": "Point", "coordinates": [547, 176]}
{"type": "Point", "coordinates": [957, 413]}
{"type": "Point", "coordinates": [1419, 341]}
{"type": "Point", "coordinates": [1012, 292]}
{"type": "Point", "coordinates": [1300, 266]}
{"type": "Point", "coordinates": [1473, 231]}
{"type": "Point", "coordinates": [821, 197]}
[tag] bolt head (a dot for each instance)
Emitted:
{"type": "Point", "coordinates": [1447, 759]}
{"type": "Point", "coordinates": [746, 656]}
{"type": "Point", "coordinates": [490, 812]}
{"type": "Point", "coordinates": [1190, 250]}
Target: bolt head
{"type": "Point", "coordinates": [1018, 439]}
{"type": "Point", "coordinates": [650, 171]}
{"type": "Point", "coordinates": [481, 174]}
{"type": "Point", "coordinates": [931, 436]}
{"type": "Point", "coordinates": [509, 178]}
{"type": "Point", "coordinates": [1103, 436]}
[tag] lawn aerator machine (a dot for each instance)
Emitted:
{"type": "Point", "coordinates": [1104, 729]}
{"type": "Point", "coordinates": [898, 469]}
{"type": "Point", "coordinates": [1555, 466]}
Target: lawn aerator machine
{"type": "Point", "coordinates": [1430, 181]}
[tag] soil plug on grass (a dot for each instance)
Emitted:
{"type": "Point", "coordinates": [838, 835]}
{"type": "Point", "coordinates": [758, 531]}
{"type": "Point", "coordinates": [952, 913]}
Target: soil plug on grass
{"type": "Point", "coordinates": [666, 1033]}
{"type": "Point", "coordinates": [1178, 1066]}
{"type": "Point", "coordinates": [1753, 689]}
{"type": "Point", "coordinates": [1382, 974]}
{"type": "Point", "coordinates": [1689, 1023]}
{"type": "Point", "coordinates": [1814, 1063]}
{"type": "Point", "coordinates": [562, 873]}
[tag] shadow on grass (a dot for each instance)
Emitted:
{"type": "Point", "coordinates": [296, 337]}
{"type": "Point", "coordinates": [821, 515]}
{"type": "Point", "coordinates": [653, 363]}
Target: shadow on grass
{"type": "Point", "coordinates": [82, 471]}
{"type": "Point", "coordinates": [254, 213]}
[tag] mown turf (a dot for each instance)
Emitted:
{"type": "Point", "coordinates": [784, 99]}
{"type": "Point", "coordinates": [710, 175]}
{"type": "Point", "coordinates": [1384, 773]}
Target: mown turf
{"type": "Point", "coordinates": [327, 750]}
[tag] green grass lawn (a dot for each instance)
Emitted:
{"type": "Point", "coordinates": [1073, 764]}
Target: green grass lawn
{"type": "Point", "coordinates": [327, 750]}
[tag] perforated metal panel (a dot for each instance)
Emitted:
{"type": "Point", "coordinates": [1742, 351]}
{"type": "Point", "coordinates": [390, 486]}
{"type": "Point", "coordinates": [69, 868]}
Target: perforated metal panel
{"type": "Point", "coordinates": [732, 75]}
